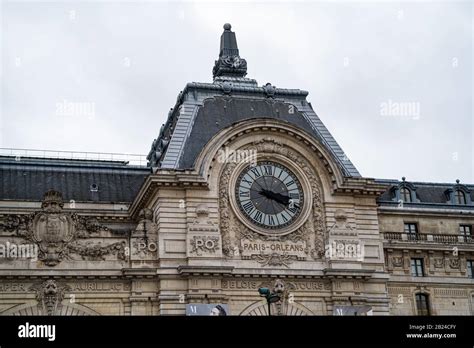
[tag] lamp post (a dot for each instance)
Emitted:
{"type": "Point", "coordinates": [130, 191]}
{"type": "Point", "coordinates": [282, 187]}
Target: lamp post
{"type": "Point", "coordinates": [270, 296]}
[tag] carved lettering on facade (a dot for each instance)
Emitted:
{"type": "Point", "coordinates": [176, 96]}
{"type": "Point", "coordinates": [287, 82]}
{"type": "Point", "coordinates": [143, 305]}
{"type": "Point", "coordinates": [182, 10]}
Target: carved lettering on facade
{"type": "Point", "coordinates": [250, 247]}
{"type": "Point", "coordinates": [204, 244]}
{"type": "Point", "coordinates": [13, 287]}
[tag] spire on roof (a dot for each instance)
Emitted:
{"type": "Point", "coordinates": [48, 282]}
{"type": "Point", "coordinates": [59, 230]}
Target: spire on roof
{"type": "Point", "coordinates": [229, 62]}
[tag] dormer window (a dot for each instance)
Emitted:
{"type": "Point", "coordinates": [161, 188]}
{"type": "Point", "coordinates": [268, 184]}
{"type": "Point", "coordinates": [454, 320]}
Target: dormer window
{"type": "Point", "coordinates": [405, 194]}
{"type": "Point", "coordinates": [459, 194]}
{"type": "Point", "coordinates": [460, 197]}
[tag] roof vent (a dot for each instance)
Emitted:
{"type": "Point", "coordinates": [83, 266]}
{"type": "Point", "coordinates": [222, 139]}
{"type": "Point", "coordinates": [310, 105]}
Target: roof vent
{"type": "Point", "coordinates": [94, 187]}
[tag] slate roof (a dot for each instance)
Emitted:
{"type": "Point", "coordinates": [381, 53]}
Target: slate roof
{"type": "Point", "coordinates": [426, 193]}
{"type": "Point", "coordinates": [30, 178]}
{"type": "Point", "coordinates": [204, 109]}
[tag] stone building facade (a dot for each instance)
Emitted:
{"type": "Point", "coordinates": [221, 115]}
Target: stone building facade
{"type": "Point", "coordinates": [245, 188]}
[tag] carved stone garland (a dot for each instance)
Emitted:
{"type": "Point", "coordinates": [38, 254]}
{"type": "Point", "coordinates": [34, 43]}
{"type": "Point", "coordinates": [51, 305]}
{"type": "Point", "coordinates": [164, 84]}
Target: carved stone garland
{"type": "Point", "coordinates": [56, 232]}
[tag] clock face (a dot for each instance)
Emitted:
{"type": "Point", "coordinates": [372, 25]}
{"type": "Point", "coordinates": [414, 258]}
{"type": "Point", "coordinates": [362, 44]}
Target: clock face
{"type": "Point", "coordinates": [269, 195]}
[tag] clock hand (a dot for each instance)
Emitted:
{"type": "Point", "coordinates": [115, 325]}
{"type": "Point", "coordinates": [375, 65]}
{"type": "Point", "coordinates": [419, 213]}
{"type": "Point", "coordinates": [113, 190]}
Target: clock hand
{"type": "Point", "coordinates": [279, 198]}
{"type": "Point", "coordinates": [276, 197]}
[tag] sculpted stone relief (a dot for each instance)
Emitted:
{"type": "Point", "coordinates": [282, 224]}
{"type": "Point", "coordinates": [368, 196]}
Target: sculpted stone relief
{"type": "Point", "coordinates": [307, 242]}
{"type": "Point", "coordinates": [49, 296]}
{"type": "Point", "coordinates": [286, 304]}
{"type": "Point", "coordinates": [144, 239]}
{"type": "Point", "coordinates": [203, 238]}
{"type": "Point", "coordinates": [57, 233]}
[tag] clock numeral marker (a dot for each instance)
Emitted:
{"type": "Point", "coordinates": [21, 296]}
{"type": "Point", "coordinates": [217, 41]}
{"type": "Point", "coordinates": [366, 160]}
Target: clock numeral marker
{"type": "Point", "coordinates": [268, 170]}
{"type": "Point", "coordinates": [256, 172]}
{"type": "Point", "coordinates": [271, 220]}
{"type": "Point", "coordinates": [248, 182]}
{"type": "Point", "coordinates": [258, 216]}
{"type": "Point", "coordinates": [244, 193]}
{"type": "Point", "coordinates": [284, 217]}
{"type": "Point", "coordinates": [294, 195]}
{"type": "Point", "coordinates": [293, 209]}
{"type": "Point", "coordinates": [248, 207]}
{"type": "Point", "coordinates": [289, 183]}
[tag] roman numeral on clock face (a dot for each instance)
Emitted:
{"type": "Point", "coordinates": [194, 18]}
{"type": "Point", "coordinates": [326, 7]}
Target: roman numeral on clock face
{"type": "Point", "coordinates": [258, 216]}
{"type": "Point", "coordinates": [268, 170]}
{"type": "Point", "coordinates": [244, 194]}
{"type": "Point", "coordinates": [248, 207]}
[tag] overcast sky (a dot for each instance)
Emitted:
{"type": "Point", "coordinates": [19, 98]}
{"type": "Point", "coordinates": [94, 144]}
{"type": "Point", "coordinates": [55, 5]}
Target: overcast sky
{"type": "Point", "coordinates": [392, 81]}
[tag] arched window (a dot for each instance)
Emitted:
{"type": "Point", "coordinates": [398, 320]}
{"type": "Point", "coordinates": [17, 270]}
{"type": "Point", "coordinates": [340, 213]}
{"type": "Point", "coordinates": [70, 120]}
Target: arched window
{"type": "Point", "coordinates": [405, 194]}
{"type": "Point", "coordinates": [459, 197]}
{"type": "Point", "coordinates": [422, 304]}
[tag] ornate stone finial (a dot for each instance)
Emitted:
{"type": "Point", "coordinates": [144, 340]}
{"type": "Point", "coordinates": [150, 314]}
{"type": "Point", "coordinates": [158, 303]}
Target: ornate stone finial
{"type": "Point", "coordinates": [229, 62]}
{"type": "Point", "coordinates": [457, 181]}
{"type": "Point", "coordinates": [403, 178]}
{"type": "Point", "coordinates": [269, 90]}
{"type": "Point", "coordinates": [52, 201]}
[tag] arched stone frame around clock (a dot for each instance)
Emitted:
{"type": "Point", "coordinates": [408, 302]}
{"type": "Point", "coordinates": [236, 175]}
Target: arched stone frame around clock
{"type": "Point", "coordinates": [330, 173]}
{"type": "Point", "coordinates": [279, 138]}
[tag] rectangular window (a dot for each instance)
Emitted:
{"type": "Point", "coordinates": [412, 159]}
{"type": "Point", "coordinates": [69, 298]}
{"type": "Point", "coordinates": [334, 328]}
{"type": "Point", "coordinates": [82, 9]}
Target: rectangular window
{"type": "Point", "coordinates": [422, 304]}
{"type": "Point", "coordinates": [417, 268]}
{"type": "Point", "coordinates": [470, 269]}
{"type": "Point", "coordinates": [411, 229]}
{"type": "Point", "coordinates": [466, 232]}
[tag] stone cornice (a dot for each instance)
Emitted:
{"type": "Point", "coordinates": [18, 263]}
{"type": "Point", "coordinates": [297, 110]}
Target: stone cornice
{"type": "Point", "coordinates": [165, 179]}
{"type": "Point", "coordinates": [205, 270]}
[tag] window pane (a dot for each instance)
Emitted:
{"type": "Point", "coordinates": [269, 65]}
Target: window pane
{"type": "Point", "coordinates": [405, 195]}
{"type": "Point", "coordinates": [417, 267]}
{"type": "Point", "coordinates": [422, 304]}
{"type": "Point", "coordinates": [460, 198]}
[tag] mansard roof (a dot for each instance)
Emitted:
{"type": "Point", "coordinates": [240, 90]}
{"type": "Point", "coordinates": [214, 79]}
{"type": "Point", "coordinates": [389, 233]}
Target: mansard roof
{"type": "Point", "coordinates": [204, 109]}
{"type": "Point", "coordinates": [427, 194]}
{"type": "Point", "coordinates": [29, 178]}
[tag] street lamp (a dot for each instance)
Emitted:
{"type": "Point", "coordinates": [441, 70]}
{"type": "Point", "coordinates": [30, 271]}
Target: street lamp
{"type": "Point", "coordinates": [270, 296]}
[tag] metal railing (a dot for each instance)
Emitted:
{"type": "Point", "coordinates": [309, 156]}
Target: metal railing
{"type": "Point", "coordinates": [132, 159]}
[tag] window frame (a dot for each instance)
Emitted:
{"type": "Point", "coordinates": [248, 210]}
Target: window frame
{"type": "Point", "coordinates": [466, 235]}
{"type": "Point", "coordinates": [470, 268]}
{"type": "Point", "coordinates": [422, 298]}
{"type": "Point", "coordinates": [411, 234]}
{"type": "Point", "coordinates": [419, 268]}
{"type": "Point", "coordinates": [457, 195]}
{"type": "Point", "coordinates": [404, 193]}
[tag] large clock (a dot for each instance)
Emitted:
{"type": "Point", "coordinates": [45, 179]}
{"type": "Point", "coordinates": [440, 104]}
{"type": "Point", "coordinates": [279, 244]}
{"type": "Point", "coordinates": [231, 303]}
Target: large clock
{"type": "Point", "coordinates": [269, 195]}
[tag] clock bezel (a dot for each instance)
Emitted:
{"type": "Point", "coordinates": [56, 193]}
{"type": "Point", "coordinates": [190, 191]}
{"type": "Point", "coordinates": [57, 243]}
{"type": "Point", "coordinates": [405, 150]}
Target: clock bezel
{"type": "Point", "coordinates": [305, 186]}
